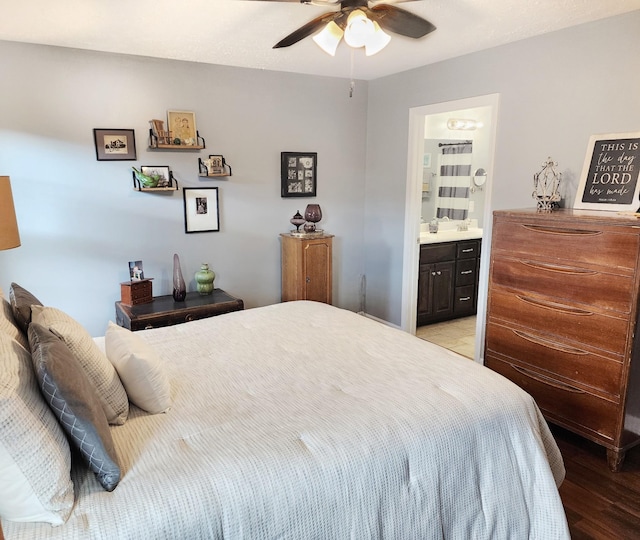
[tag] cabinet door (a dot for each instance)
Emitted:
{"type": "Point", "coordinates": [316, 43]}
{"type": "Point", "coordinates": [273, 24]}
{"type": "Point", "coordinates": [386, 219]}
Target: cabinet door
{"type": "Point", "coordinates": [442, 293]}
{"type": "Point", "coordinates": [317, 272]}
{"type": "Point", "coordinates": [425, 286]}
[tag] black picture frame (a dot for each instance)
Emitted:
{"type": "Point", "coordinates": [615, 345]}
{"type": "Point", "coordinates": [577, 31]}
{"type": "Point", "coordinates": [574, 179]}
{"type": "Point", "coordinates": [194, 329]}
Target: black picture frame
{"type": "Point", "coordinates": [115, 144]}
{"type": "Point", "coordinates": [298, 174]}
{"type": "Point", "coordinates": [201, 209]}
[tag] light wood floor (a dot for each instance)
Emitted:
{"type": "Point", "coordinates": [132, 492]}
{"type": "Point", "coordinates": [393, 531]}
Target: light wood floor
{"type": "Point", "coordinates": [458, 335]}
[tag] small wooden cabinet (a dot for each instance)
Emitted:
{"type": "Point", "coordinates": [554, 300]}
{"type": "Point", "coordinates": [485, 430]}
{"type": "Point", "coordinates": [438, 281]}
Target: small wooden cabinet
{"type": "Point", "coordinates": [448, 281]}
{"type": "Point", "coordinates": [562, 314]}
{"type": "Point", "coordinates": [307, 268]}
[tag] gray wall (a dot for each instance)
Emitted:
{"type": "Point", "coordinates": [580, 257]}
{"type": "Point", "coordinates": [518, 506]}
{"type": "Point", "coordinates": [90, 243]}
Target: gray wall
{"type": "Point", "coordinates": [555, 91]}
{"type": "Point", "coordinates": [80, 220]}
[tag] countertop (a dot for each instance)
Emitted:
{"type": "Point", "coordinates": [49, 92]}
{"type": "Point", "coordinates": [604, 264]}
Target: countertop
{"type": "Point", "coordinates": [448, 232]}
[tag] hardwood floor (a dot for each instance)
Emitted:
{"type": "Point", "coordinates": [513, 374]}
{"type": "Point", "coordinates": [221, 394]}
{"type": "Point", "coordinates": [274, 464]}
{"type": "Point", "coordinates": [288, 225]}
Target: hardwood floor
{"type": "Point", "coordinates": [600, 505]}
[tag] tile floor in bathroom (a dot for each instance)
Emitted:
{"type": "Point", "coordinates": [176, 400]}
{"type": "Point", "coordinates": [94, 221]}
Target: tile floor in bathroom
{"type": "Point", "coordinates": [458, 335]}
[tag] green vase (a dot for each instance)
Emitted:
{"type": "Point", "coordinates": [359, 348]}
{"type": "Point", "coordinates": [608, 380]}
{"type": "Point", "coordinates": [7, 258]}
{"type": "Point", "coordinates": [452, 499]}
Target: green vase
{"type": "Point", "coordinates": [204, 279]}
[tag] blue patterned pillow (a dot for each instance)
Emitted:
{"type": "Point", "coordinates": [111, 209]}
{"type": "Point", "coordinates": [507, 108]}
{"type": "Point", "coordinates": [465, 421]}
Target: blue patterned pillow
{"type": "Point", "coordinates": [73, 399]}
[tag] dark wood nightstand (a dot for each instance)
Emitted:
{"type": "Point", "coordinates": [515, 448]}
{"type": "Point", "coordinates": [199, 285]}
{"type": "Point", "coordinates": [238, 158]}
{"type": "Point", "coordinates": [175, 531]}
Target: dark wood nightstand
{"type": "Point", "coordinates": [165, 311]}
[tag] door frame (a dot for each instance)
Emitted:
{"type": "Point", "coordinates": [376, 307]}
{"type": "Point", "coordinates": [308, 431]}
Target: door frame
{"type": "Point", "coordinates": [413, 203]}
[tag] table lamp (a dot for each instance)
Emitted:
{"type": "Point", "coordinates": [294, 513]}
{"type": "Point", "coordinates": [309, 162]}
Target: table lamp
{"type": "Point", "coordinates": [9, 235]}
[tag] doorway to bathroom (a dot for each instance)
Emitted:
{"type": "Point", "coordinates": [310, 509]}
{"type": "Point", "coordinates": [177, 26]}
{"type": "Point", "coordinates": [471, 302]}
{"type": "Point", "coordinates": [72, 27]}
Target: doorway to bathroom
{"type": "Point", "coordinates": [436, 189]}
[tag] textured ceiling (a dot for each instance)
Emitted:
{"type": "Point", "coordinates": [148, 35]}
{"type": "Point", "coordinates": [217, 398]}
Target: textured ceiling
{"type": "Point", "coordinates": [243, 32]}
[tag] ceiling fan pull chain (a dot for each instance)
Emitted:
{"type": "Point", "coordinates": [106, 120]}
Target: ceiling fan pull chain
{"type": "Point", "coordinates": [352, 84]}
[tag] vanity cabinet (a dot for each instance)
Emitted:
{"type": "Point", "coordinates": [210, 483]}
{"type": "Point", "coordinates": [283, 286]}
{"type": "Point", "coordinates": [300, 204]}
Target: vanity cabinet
{"type": "Point", "coordinates": [306, 268]}
{"type": "Point", "coordinates": [562, 315]}
{"type": "Point", "coordinates": [448, 280]}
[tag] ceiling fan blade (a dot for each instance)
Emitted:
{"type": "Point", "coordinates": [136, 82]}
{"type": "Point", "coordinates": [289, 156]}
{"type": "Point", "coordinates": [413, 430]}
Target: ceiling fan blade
{"type": "Point", "coordinates": [400, 21]}
{"type": "Point", "coordinates": [306, 30]}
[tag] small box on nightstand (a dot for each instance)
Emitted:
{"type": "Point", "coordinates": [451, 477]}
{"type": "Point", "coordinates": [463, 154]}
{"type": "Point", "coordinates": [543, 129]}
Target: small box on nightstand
{"type": "Point", "coordinates": [133, 293]}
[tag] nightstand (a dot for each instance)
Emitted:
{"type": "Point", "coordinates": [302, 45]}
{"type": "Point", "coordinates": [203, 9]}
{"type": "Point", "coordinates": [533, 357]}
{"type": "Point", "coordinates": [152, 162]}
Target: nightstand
{"type": "Point", "coordinates": [165, 311]}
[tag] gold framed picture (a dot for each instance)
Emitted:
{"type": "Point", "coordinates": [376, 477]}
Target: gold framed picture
{"type": "Point", "coordinates": [182, 126]}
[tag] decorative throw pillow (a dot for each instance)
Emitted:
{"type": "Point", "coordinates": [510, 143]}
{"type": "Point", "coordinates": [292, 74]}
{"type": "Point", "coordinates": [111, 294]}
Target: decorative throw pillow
{"type": "Point", "coordinates": [35, 462]}
{"type": "Point", "coordinates": [139, 368]}
{"type": "Point", "coordinates": [93, 361]}
{"type": "Point", "coordinates": [72, 398]}
{"type": "Point", "coordinates": [21, 302]}
{"type": "Point", "coordinates": [8, 324]}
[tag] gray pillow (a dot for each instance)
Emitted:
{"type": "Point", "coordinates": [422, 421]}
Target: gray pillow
{"type": "Point", "coordinates": [72, 398]}
{"type": "Point", "coordinates": [21, 301]}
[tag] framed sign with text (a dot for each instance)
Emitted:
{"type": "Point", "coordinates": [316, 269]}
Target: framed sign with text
{"type": "Point", "coordinates": [610, 174]}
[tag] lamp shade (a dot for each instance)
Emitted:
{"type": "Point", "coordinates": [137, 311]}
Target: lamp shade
{"type": "Point", "coordinates": [9, 235]}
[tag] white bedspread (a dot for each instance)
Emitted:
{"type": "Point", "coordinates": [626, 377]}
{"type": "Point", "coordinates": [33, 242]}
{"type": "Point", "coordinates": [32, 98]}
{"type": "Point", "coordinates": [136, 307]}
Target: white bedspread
{"type": "Point", "coordinates": [303, 421]}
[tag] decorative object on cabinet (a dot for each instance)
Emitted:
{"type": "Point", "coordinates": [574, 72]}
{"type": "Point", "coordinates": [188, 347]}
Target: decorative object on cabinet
{"type": "Point", "coordinates": [297, 220]}
{"type": "Point", "coordinates": [298, 174]}
{"type": "Point", "coordinates": [136, 270]}
{"type": "Point", "coordinates": [136, 292]}
{"type": "Point", "coordinates": [562, 319]}
{"type": "Point", "coordinates": [215, 166]}
{"type": "Point", "coordinates": [164, 311]}
{"type": "Point", "coordinates": [610, 173]}
{"type": "Point", "coordinates": [201, 210]}
{"type": "Point", "coordinates": [115, 144]}
{"type": "Point", "coordinates": [313, 215]}
{"type": "Point", "coordinates": [179, 286]}
{"type": "Point", "coordinates": [154, 178]}
{"type": "Point", "coordinates": [448, 280]}
{"type": "Point", "coordinates": [204, 279]}
{"type": "Point", "coordinates": [307, 268]}
{"type": "Point", "coordinates": [546, 186]}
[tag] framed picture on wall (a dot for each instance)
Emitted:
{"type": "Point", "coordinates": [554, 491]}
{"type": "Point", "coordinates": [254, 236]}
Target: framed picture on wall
{"type": "Point", "coordinates": [610, 173]}
{"type": "Point", "coordinates": [201, 210]}
{"type": "Point", "coordinates": [115, 144]}
{"type": "Point", "coordinates": [298, 174]}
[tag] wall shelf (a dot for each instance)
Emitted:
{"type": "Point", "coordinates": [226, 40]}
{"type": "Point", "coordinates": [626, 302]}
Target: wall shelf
{"type": "Point", "coordinates": [203, 172]}
{"type": "Point", "coordinates": [155, 144]}
{"type": "Point", "coordinates": [173, 184]}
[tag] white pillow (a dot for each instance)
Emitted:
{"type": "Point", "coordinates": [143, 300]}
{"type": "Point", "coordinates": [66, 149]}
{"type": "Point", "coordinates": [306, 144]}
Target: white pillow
{"type": "Point", "coordinates": [35, 461]}
{"type": "Point", "coordinates": [97, 367]}
{"type": "Point", "coordinates": [140, 369]}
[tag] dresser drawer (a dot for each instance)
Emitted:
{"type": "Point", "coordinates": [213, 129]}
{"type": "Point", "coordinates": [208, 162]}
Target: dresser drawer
{"type": "Point", "coordinates": [573, 284]}
{"type": "Point", "coordinates": [466, 270]}
{"type": "Point", "coordinates": [582, 243]}
{"type": "Point", "coordinates": [468, 249]}
{"type": "Point", "coordinates": [464, 301]}
{"type": "Point", "coordinates": [573, 364]}
{"type": "Point", "coordinates": [607, 332]}
{"type": "Point", "coordinates": [560, 402]}
{"type": "Point", "coordinates": [437, 253]}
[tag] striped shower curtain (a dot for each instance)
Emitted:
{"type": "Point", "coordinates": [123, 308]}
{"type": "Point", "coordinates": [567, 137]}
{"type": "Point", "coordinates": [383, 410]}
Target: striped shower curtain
{"type": "Point", "coordinates": [454, 181]}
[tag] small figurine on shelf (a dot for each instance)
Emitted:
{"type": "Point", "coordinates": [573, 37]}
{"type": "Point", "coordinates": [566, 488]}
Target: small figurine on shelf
{"type": "Point", "coordinates": [146, 180]}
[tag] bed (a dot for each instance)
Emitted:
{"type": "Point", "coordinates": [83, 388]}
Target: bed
{"type": "Point", "coordinates": [304, 421]}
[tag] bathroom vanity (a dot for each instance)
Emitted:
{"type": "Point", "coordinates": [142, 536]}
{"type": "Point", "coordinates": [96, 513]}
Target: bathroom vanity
{"type": "Point", "coordinates": [448, 275]}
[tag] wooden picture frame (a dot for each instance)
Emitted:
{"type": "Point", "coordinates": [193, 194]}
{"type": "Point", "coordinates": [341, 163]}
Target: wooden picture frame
{"type": "Point", "coordinates": [115, 144]}
{"type": "Point", "coordinates": [201, 210]}
{"type": "Point", "coordinates": [610, 177]}
{"type": "Point", "coordinates": [182, 125]}
{"type": "Point", "coordinates": [298, 174]}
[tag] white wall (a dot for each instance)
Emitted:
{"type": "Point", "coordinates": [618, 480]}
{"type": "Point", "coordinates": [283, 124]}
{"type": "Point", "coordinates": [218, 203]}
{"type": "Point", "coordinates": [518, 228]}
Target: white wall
{"type": "Point", "coordinates": [80, 220]}
{"type": "Point", "coordinates": [555, 91]}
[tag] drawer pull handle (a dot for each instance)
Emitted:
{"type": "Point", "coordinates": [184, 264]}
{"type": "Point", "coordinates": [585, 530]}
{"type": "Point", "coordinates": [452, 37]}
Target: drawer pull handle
{"type": "Point", "coordinates": [561, 269]}
{"type": "Point", "coordinates": [465, 299]}
{"type": "Point", "coordinates": [555, 307]}
{"type": "Point", "coordinates": [468, 250]}
{"type": "Point", "coordinates": [464, 272]}
{"type": "Point", "coordinates": [554, 230]}
{"type": "Point", "coordinates": [547, 380]}
{"type": "Point", "coordinates": [550, 344]}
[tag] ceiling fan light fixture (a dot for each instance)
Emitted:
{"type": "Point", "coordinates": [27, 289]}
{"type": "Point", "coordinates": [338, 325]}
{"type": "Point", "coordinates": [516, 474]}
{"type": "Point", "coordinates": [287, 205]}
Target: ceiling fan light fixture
{"type": "Point", "coordinates": [378, 41]}
{"type": "Point", "coordinates": [359, 29]}
{"type": "Point", "coordinates": [329, 38]}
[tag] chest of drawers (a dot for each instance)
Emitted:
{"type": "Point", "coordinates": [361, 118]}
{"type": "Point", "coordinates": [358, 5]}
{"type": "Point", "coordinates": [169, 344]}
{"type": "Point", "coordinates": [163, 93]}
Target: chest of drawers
{"type": "Point", "coordinates": [562, 316]}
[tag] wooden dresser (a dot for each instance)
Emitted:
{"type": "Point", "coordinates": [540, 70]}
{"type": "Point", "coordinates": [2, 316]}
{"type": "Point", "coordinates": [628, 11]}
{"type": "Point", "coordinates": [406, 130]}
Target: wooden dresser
{"type": "Point", "coordinates": [562, 314]}
{"type": "Point", "coordinates": [306, 268]}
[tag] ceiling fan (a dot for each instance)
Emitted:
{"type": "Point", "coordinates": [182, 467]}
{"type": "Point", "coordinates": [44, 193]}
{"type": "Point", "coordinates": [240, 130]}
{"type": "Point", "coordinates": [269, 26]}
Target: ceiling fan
{"type": "Point", "coordinates": [361, 25]}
